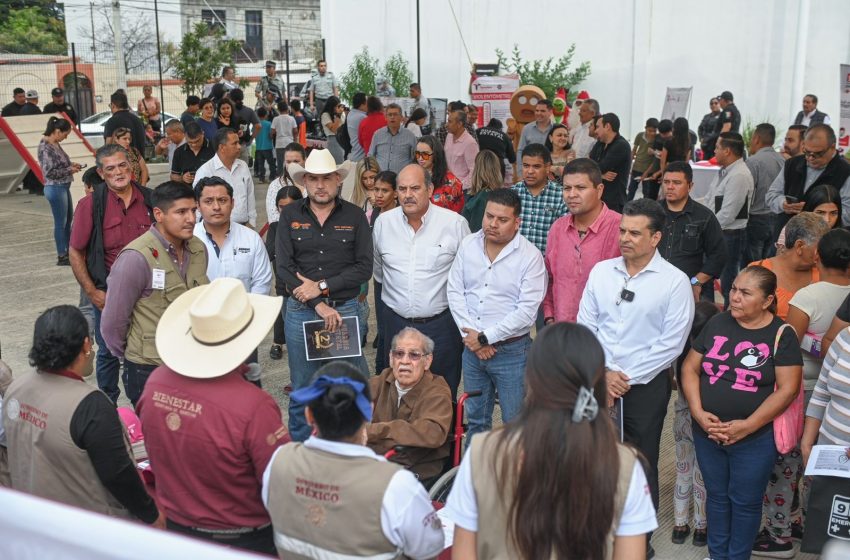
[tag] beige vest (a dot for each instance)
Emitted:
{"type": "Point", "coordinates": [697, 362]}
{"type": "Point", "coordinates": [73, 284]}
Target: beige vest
{"type": "Point", "coordinates": [141, 337]}
{"type": "Point", "coordinates": [43, 458]}
{"type": "Point", "coordinates": [493, 501]}
{"type": "Point", "coordinates": [323, 504]}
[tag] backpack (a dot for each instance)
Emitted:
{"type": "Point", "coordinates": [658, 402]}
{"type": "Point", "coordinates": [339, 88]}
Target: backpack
{"type": "Point", "coordinates": [343, 138]}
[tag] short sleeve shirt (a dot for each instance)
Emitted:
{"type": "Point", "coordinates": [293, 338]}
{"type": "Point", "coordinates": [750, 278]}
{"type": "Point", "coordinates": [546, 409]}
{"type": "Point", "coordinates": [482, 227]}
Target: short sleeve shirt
{"type": "Point", "coordinates": [729, 115]}
{"type": "Point", "coordinates": [737, 373]}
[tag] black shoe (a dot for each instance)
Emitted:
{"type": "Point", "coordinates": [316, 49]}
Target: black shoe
{"type": "Point", "coordinates": [680, 534]}
{"type": "Point", "coordinates": [796, 531]}
{"type": "Point", "coordinates": [63, 260]}
{"type": "Point", "coordinates": [700, 537]}
{"type": "Point", "coordinates": [276, 352]}
{"type": "Point", "coordinates": [650, 552]}
{"type": "Point", "coordinates": [767, 545]}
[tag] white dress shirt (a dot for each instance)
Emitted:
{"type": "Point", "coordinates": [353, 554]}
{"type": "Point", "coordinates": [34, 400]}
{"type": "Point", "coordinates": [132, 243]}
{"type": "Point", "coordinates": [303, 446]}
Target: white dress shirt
{"type": "Point", "coordinates": [644, 336]}
{"type": "Point", "coordinates": [413, 266]}
{"type": "Point", "coordinates": [238, 177]}
{"type": "Point", "coordinates": [243, 256]}
{"type": "Point", "coordinates": [406, 510]}
{"type": "Point", "coordinates": [498, 298]}
{"type": "Point", "coordinates": [582, 141]}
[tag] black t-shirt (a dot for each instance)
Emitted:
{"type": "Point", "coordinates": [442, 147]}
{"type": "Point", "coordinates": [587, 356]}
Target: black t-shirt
{"type": "Point", "coordinates": [675, 152]}
{"type": "Point", "coordinates": [63, 108]}
{"type": "Point", "coordinates": [126, 119]}
{"type": "Point", "coordinates": [737, 371]}
{"type": "Point", "coordinates": [729, 115]}
{"type": "Point", "coordinates": [497, 142]}
{"type": "Point", "coordinates": [247, 117]}
{"type": "Point", "coordinates": [185, 160]}
{"type": "Point", "coordinates": [11, 110]}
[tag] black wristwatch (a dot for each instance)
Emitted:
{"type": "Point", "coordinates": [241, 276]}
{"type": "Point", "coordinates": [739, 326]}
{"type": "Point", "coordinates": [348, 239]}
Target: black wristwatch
{"type": "Point", "coordinates": [482, 339]}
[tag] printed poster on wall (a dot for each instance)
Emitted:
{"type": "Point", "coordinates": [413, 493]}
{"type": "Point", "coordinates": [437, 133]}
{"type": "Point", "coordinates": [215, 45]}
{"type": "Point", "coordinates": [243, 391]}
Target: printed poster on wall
{"type": "Point", "coordinates": [676, 103]}
{"type": "Point", "coordinates": [844, 120]}
{"type": "Point", "coordinates": [492, 96]}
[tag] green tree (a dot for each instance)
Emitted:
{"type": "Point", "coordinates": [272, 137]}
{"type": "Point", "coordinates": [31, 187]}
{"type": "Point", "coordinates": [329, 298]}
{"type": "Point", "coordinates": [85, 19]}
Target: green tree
{"type": "Point", "coordinates": [200, 56]}
{"type": "Point", "coordinates": [549, 74]}
{"type": "Point", "coordinates": [360, 76]}
{"type": "Point", "coordinates": [32, 30]}
{"type": "Point", "coordinates": [397, 72]}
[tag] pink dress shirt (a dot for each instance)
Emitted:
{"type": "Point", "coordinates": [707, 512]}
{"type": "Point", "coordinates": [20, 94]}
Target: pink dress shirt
{"type": "Point", "coordinates": [460, 156]}
{"type": "Point", "coordinates": [569, 260]}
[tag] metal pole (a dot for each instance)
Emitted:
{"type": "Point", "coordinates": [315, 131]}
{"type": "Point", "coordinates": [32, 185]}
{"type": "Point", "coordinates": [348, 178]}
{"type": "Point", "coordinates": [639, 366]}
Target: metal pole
{"type": "Point", "coordinates": [159, 59]}
{"type": "Point", "coordinates": [119, 46]}
{"type": "Point", "coordinates": [418, 59]}
{"type": "Point", "coordinates": [324, 55]}
{"type": "Point", "coordinates": [286, 53]}
{"type": "Point", "coordinates": [76, 87]}
{"type": "Point", "coordinates": [93, 42]}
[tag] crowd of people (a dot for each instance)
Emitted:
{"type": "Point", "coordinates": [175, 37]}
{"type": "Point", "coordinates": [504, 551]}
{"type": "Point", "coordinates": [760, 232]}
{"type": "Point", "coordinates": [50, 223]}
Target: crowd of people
{"type": "Point", "coordinates": [619, 291]}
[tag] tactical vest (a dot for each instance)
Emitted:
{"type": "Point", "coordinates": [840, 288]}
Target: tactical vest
{"type": "Point", "coordinates": [141, 337]}
{"type": "Point", "coordinates": [492, 540]}
{"type": "Point", "coordinates": [323, 504]}
{"type": "Point", "coordinates": [43, 458]}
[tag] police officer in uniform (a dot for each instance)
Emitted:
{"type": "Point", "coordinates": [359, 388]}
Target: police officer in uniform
{"type": "Point", "coordinates": [59, 105]}
{"type": "Point", "coordinates": [730, 117]}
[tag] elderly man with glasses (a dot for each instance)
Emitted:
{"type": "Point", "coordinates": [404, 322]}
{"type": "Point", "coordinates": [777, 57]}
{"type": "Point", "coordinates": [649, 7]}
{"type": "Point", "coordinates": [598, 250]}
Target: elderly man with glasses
{"type": "Point", "coordinates": [819, 164]}
{"type": "Point", "coordinates": [412, 407]}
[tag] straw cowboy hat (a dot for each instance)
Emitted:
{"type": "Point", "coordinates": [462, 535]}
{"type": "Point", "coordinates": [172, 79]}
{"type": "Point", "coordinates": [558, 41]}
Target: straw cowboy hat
{"type": "Point", "coordinates": [210, 330]}
{"type": "Point", "coordinates": [320, 162]}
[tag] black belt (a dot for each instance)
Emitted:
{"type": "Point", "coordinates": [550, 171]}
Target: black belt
{"type": "Point", "coordinates": [334, 303]}
{"type": "Point", "coordinates": [510, 340]}
{"type": "Point", "coordinates": [423, 320]}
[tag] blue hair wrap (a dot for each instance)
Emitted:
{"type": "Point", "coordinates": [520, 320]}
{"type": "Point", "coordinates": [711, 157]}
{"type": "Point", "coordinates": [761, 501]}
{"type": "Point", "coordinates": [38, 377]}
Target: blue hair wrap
{"type": "Point", "coordinates": [320, 386]}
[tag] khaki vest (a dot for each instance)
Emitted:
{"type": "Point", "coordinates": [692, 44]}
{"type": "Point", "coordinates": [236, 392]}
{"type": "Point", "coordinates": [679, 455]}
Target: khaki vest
{"type": "Point", "coordinates": [322, 504]}
{"type": "Point", "coordinates": [141, 337]}
{"type": "Point", "coordinates": [43, 458]}
{"type": "Point", "coordinates": [492, 538]}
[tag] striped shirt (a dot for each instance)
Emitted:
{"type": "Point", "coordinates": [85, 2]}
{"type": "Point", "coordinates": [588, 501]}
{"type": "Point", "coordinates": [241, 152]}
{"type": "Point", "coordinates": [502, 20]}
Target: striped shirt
{"type": "Point", "coordinates": [540, 212]}
{"type": "Point", "coordinates": [830, 402]}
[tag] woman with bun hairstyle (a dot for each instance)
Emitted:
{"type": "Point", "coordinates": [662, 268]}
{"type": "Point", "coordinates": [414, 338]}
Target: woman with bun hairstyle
{"type": "Point", "coordinates": [58, 175]}
{"type": "Point", "coordinates": [511, 498]}
{"type": "Point", "coordinates": [331, 496]}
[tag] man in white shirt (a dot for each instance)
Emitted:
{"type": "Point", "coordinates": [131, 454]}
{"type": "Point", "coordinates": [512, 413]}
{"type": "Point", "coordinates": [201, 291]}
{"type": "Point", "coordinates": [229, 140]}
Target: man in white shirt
{"type": "Point", "coordinates": [640, 307]}
{"type": "Point", "coordinates": [415, 245]}
{"type": "Point", "coordinates": [582, 138]}
{"type": "Point", "coordinates": [496, 285]}
{"type": "Point", "coordinates": [233, 250]}
{"type": "Point", "coordinates": [730, 196]}
{"type": "Point", "coordinates": [227, 165]}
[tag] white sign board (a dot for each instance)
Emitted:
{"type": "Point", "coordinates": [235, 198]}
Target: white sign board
{"type": "Point", "coordinates": [492, 95]}
{"type": "Point", "coordinates": [676, 103]}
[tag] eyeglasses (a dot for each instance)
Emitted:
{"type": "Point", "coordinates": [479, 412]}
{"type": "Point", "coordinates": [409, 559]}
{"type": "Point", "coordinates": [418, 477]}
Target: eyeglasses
{"type": "Point", "coordinates": [424, 155]}
{"type": "Point", "coordinates": [413, 355]}
{"type": "Point", "coordinates": [814, 155]}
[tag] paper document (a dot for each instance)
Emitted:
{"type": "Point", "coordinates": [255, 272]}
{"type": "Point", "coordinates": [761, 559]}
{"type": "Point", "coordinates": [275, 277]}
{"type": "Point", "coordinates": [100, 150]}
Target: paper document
{"type": "Point", "coordinates": [829, 460]}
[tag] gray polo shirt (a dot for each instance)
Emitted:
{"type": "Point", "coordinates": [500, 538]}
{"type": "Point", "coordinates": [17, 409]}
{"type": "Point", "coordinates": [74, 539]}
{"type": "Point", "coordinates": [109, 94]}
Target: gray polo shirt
{"type": "Point", "coordinates": [764, 165]}
{"type": "Point", "coordinates": [355, 116]}
{"type": "Point", "coordinates": [393, 152]}
{"type": "Point", "coordinates": [531, 135]}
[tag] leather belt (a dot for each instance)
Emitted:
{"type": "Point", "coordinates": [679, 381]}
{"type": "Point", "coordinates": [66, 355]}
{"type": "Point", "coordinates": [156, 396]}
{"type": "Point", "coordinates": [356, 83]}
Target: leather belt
{"type": "Point", "coordinates": [509, 340]}
{"type": "Point", "coordinates": [423, 320]}
{"type": "Point", "coordinates": [334, 303]}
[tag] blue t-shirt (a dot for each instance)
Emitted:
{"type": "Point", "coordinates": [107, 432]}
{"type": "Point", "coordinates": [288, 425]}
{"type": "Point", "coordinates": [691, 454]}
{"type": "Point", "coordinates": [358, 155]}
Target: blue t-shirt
{"type": "Point", "coordinates": [264, 138]}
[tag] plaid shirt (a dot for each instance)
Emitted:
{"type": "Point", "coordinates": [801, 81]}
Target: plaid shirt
{"type": "Point", "coordinates": [540, 212]}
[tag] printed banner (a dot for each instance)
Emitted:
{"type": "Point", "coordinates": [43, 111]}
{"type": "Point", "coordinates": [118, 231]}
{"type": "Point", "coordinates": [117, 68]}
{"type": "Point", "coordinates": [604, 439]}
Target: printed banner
{"type": "Point", "coordinates": [844, 120]}
{"type": "Point", "coordinates": [492, 96]}
{"type": "Point", "coordinates": [676, 103]}
{"type": "Point", "coordinates": [321, 344]}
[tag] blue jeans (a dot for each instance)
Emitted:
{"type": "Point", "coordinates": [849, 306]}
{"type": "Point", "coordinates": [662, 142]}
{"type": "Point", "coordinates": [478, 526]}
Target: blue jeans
{"type": "Point", "coordinates": [761, 244]}
{"type": "Point", "coordinates": [107, 366]}
{"type": "Point", "coordinates": [735, 239]}
{"type": "Point", "coordinates": [735, 480]}
{"type": "Point", "coordinates": [301, 370]}
{"type": "Point", "coordinates": [504, 372]}
{"type": "Point", "coordinates": [135, 377]}
{"type": "Point", "coordinates": [59, 197]}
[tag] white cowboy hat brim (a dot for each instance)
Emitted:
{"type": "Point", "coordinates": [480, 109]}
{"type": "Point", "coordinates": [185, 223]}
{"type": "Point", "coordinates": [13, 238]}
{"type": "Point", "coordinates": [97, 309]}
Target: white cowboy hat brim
{"type": "Point", "coordinates": [180, 351]}
{"type": "Point", "coordinates": [325, 167]}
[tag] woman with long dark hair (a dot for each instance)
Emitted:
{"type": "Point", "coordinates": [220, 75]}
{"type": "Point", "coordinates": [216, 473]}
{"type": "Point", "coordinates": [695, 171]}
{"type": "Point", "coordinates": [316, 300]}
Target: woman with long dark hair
{"type": "Point", "coordinates": [448, 190]}
{"type": "Point", "coordinates": [677, 148]}
{"type": "Point", "coordinates": [554, 482]}
{"type": "Point", "coordinates": [825, 201]}
{"type": "Point", "coordinates": [332, 118]}
{"type": "Point", "coordinates": [58, 176]}
{"type": "Point", "coordinates": [226, 116]}
{"type": "Point", "coordinates": [332, 496]}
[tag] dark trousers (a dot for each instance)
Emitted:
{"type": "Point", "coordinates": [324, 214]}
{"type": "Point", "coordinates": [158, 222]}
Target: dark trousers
{"type": "Point", "coordinates": [382, 360]}
{"type": "Point", "coordinates": [644, 409]}
{"type": "Point", "coordinates": [761, 243]}
{"type": "Point", "coordinates": [260, 541]}
{"type": "Point", "coordinates": [735, 239]}
{"type": "Point", "coordinates": [261, 158]}
{"type": "Point", "coordinates": [448, 344]}
{"type": "Point", "coordinates": [633, 185]}
{"type": "Point", "coordinates": [650, 189]}
{"type": "Point", "coordinates": [107, 366]}
{"type": "Point", "coordinates": [135, 377]}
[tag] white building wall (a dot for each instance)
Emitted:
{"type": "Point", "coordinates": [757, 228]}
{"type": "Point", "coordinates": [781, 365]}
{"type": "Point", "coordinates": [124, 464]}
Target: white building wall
{"type": "Point", "coordinates": [636, 47]}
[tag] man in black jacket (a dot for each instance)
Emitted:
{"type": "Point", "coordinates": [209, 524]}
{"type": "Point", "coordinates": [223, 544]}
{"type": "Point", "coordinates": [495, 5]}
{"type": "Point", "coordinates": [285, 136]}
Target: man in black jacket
{"type": "Point", "coordinates": [614, 155]}
{"type": "Point", "coordinates": [13, 109]}
{"type": "Point", "coordinates": [116, 213]}
{"type": "Point", "coordinates": [122, 117]}
{"type": "Point", "coordinates": [810, 116]}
